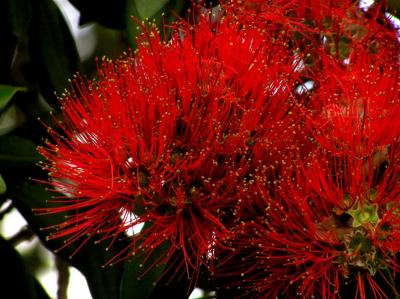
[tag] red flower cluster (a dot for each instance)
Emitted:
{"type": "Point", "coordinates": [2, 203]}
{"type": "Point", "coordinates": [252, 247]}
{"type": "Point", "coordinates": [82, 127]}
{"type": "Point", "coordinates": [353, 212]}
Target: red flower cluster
{"type": "Point", "coordinates": [333, 220]}
{"type": "Point", "coordinates": [263, 140]}
{"type": "Point", "coordinates": [166, 136]}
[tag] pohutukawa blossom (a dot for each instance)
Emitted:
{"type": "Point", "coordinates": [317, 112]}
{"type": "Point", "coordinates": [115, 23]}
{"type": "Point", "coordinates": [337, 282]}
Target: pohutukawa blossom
{"type": "Point", "coordinates": [321, 232]}
{"type": "Point", "coordinates": [354, 110]}
{"type": "Point", "coordinates": [266, 138]}
{"type": "Point", "coordinates": [337, 26]}
{"type": "Point", "coordinates": [165, 137]}
{"type": "Point", "coordinates": [334, 221]}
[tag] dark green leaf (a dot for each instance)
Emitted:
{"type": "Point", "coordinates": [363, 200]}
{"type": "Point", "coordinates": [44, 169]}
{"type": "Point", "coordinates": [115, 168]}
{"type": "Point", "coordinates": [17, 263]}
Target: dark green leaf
{"type": "Point", "coordinates": [17, 14]}
{"type": "Point", "coordinates": [8, 44]}
{"type": "Point", "coordinates": [7, 92]}
{"type": "Point", "coordinates": [14, 22]}
{"type": "Point", "coordinates": [103, 282]}
{"type": "Point", "coordinates": [108, 14]}
{"type": "Point", "coordinates": [173, 283]}
{"type": "Point", "coordinates": [3, 186]}
{"type": "Point", "coordinates": [161, 11]}
{"type": "Point", "coordinates": [15, 281]}
{"type": "Point", "coordinates": [16, 152]}
{"type": "Point", "coordinates": [138, 282]}
{"type": "Point", "coordinates": [148, 9]}
{"type": "Point", "coordinates": [53, 51]}
{"type": "Point", "coordinates": [10, 119]}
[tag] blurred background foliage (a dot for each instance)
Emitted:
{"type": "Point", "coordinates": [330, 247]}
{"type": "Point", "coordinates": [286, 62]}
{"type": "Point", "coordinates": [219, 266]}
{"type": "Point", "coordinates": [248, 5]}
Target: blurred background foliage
{"type": "Point", "coordinates": [40, 51]}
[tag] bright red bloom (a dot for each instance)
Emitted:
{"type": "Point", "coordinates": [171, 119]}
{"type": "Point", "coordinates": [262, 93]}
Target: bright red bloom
{"type": "Point", "coordinates": [165, 138]}
{"type": "Point", "coordinates": [212, 141]}
{"type": "Point", "coordinates": [321, 232]}
{"type": "Point", "coordinates": [355, 106]}
{"type": "Point", "coordinates": [337, 26]}
{"type": "Point", "coordinates": [333, 220]}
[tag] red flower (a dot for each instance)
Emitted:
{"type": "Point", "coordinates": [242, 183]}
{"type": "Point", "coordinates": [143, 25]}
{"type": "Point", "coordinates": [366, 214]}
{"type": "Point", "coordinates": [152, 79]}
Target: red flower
{"type": "Point", "coordinates": [354, 109]}
{"type": "Point", "coordinates": [308, 26]}
{"type": "Point", "coordinates": [165, 138]}
{"type": "Point", "coordinates": [321, 232]}
{"type": "Point", "coordinates": [332, 220]}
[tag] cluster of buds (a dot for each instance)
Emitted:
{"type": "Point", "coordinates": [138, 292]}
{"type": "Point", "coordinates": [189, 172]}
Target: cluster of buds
{"type": "Point", "coordinates": [260, 142]}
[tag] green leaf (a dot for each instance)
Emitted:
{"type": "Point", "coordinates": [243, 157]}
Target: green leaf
{"type": "Point", "coordinates": [14, 22]}
{"type": "Point", "coordinates": [17, 152]}
{"type": "Point", "coordinates": [138, 282]}
{"type": "Point", "coordinates": [15, 281]}
{"type": "Point", "coordinates": [17, 15]}
{"type": "Point", "coordinates": [111, 15]}
{"type": "Point", "coordinates": [173, 283]}
{"type": "Point", "coordinates": [6, 94]}
{"type": "Point", "coordinates": [162, 11]}
{"type": "Point", "coordinates": [52, 49]}
{"type": "Point", "coordinates": [3, 186]}
{"type": "Point", "coordinates": [11, 119]}
{"type": "Point", "coordinates": [104, 282]}
{"type": "Point", "coordinates": [149, 8]}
